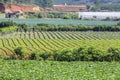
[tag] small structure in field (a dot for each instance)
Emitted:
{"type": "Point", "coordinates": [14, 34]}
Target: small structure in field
{"type": "Point", "coordinates": [99, 15]}
{"type": "Point", "coordinates": [14, 14]}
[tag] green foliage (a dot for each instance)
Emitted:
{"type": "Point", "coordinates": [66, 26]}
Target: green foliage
{"type": "Point", "coordinates": [8, 29]}
{"type": "Point", "coordinates": [33, 56]}
{"type": "Point", "coordinates": [45, 3]}
{"type": "Point", "coordinates": [110, 7]}
{"type": "Point", "coordinates": [47, 27]}
{"type": "Point", "coordinates": [118, 24]}
{"type": "Point", "coordinates": [23, 26]}
{"type": "Point", "coordinates": [46, 55]}
{"type": "Point", "coordinates": [64, 55]}
{"type": "Point", "coordinates": [40, 15]}
{"type": "Point", "coordinates": [115, 53]}
{"type": "Point", "coordinates": [37, 70]}
{"type": "Point", "coordinates": [83, 54]}
{"type": "Point", "coordinates": [19, 52]}
{"type": "Point", "coordinates": [7, 24]}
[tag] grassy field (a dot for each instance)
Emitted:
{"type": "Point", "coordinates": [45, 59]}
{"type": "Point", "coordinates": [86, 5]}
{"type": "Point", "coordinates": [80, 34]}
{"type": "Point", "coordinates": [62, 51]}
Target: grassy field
{"type": "Point", "coordinates": [61, 22]}
{"type": "Point", "coordinates": [48, 70]}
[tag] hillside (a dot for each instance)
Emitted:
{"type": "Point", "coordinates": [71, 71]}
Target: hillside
{"type": "Point", "coordinates": [85, 1]}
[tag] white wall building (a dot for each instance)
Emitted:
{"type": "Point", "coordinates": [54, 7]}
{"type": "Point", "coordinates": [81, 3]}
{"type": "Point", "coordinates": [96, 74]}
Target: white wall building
{"type": "Point", "coordinates": [99, 15]}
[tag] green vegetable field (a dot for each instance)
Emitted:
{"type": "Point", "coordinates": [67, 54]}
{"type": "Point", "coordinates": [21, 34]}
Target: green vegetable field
{"type": "Point", "coordinates": [61, 22]}
{"type": "Point", "coordinates": [49, 70]}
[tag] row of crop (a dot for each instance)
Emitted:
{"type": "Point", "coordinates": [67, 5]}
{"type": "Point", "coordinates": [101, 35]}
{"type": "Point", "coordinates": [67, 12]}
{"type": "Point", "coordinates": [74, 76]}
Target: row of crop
{"type": "Point", "coordinates": [50, 43]}
{"type": "Point", "coordinates": [38, 45]}
{"type": "Point", "coordinates": [64, 35]}
{"type": "Point", "coordinates": [33, 44]}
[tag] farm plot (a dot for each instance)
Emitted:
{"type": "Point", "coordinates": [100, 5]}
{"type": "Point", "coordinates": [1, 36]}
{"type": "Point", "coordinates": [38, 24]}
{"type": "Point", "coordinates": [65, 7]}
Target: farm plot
{"type": "Point", "coordinates": [7, 46]}
{"type": "Point", "coordinates": [69, 35]}
{"type": "Point", "coordinates": [49, 70]}
{"type": "Point", "coordinates": [57, 40]}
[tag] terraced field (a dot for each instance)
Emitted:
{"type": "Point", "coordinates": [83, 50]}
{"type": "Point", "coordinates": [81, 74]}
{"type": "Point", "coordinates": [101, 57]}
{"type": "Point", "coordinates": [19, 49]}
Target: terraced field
{"type": "Point", "coordinates": [49, 41]}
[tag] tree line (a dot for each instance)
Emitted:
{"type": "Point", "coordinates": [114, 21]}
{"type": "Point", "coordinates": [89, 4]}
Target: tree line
{"type": "Point", "coordinates": [10, 26]}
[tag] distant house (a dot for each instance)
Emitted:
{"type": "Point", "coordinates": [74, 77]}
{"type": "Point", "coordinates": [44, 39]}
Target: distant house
{"type": "Point", "coordinates": [99, 15]}
{"type": "Point", "coordinates": [69, 8]}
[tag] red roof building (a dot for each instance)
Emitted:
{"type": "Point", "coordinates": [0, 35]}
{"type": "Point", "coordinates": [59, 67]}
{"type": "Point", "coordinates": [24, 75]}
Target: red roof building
{"type": "Point", "coordinates": [70, 8]}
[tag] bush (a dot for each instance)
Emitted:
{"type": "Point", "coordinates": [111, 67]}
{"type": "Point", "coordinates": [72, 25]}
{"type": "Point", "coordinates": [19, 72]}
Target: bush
{"type": "Point", "coordinates": [46, 55]}
{"type": "Point", "coordinates": [33, 56]}
{"type": "Point", "coordinates": [66, 17]}
{"type": "Point", "coordinates": [80, 54]}
{"type": "Point", "coordinates": [65, 55]}
{"type": "Point", "coordinates": [19, 52]}
{"type": "Point", "coordinates": [7, 24]}
{"type": "Point", "coordinates": [40, 15]}
{"type": "Point", "coordinates": [115, 53]}
{"type": "Point", "coordinates": [23, 26]}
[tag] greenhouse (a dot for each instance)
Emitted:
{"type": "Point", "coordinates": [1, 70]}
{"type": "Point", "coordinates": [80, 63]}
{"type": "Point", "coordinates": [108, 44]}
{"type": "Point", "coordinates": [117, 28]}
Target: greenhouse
{"type": "Point", "coordinates": [99, 15]}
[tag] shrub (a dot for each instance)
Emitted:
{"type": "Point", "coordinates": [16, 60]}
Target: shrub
{"type": "Point", "coordinates": [46, 55]}
{"type": "Point", "coordinates": [33, 56]}
{"type": "Point", "coordinates": [66, 17]}
{"type": "Point", "coordinates": [115, 53]}
{"type": "Point", "coordinates": [23, 26]}
{"type": "Point", "coordinates": [80, 54]}
{"type": "Point", "coordinates": [7, 24]}
{"type": "Point", "coordinates": [64, 55]}
{"type": "Point", "coordinates": [77, 53]}
{"type": "Point", "coordinates": [40, 15]}
{"type": "Point", "coordinates": [19, 52]}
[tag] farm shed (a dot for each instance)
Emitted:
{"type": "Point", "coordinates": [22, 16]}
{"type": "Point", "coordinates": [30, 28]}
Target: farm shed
{"type": "Point", "coordinates": [15, 14]}
{"type": "Point", "coordinates": [99, 15]}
